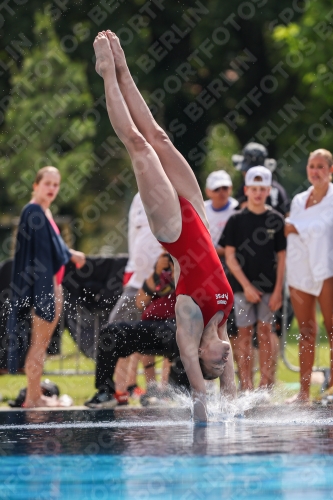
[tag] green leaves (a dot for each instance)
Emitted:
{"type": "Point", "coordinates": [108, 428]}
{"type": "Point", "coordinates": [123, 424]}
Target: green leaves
{"type": "Point", "coordinates": [47, 121]}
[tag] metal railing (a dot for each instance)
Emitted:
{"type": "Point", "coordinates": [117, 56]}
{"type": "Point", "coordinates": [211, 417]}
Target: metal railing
{"type": "Point", "coordinates": [78, 353]}
{"type": "Point", "coordinates": [97, 323]}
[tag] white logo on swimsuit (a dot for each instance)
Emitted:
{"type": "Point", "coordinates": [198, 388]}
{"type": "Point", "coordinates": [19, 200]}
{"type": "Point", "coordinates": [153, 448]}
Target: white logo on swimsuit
{"type": "Point", "coordinates": [222, 298]}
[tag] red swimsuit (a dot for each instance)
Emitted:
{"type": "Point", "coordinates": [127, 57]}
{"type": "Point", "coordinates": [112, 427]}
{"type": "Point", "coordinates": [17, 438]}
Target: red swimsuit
{"type": "Point", "coordinates": [201, 273]}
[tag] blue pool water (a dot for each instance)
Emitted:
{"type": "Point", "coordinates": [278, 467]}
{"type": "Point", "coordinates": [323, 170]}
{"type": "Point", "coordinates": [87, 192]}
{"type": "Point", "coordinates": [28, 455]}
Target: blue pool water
{"type": "Point", "coordinates": [273, 453]}
{"type": "Point", "coordinates": [87, 477]}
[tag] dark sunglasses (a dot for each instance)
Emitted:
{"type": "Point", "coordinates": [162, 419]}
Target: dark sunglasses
{"type": "Point", "coordinates": [221, 188]}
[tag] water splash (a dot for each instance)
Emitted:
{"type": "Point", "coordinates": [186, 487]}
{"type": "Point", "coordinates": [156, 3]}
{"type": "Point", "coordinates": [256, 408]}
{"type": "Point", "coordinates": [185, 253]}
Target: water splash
{"type": "Point", "coordinates": [258, 406]}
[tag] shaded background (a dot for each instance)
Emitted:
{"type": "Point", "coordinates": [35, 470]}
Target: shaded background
{"type": "Point", "coordinates": [215, 74]}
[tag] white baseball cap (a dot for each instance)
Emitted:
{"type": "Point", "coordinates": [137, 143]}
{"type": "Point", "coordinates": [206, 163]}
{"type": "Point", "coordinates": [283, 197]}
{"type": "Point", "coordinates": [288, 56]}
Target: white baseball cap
{"type": "Point", "coordinates": [218, 179]}
{"type": "Point", "coordinates": [258, 176]}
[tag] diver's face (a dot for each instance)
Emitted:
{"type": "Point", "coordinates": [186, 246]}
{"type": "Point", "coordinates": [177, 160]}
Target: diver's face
{"type": "Point", "coordinates": [215, 357]}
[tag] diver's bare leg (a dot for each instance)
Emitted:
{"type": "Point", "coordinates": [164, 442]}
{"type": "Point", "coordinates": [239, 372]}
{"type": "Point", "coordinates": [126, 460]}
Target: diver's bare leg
{"type": "Point", "coordinates": [153, 183]}
{"type": "Point", "coordinates": [174, 164]}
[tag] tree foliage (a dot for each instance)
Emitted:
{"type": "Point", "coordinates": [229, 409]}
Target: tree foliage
{"type": "Point", "coordinates": [176, 50]}
{"type": "Point", "coordinates": [262, 69]}
{"type": "Point", "coordinates": [45, 122]}
{"type": "Point", "coordinates": [307, 44]}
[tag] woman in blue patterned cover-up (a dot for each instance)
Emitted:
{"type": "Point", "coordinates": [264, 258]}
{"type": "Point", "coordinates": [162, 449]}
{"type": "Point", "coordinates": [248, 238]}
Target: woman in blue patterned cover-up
{"type": "Point", "coordinates": [38, 270]}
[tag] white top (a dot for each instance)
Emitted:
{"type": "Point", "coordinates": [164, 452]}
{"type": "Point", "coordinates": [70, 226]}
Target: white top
{"type": "Point", "coordinates": [309, 253]}
{"type": "Point", "coordinates": [143, 247]}
{"type": "Point", "coordinates": [218, 218]}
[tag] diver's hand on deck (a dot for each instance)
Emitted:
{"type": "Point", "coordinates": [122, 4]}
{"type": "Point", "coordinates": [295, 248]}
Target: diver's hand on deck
{"type": "Point", "coordinates": [199, 409]}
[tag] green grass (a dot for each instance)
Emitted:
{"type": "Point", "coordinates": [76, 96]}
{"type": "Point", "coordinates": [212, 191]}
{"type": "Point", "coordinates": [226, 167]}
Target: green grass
{"type": "Point", "coordinates": [81, 387]}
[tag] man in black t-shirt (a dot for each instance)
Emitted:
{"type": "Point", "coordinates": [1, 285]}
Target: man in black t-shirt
{"type": "Point", "coordinates": [255, 254]}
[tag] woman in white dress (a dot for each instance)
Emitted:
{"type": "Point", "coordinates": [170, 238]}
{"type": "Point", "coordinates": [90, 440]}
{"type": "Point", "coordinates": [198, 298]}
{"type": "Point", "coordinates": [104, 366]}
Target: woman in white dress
{"type": "Point", "coordinates": [310, 262]}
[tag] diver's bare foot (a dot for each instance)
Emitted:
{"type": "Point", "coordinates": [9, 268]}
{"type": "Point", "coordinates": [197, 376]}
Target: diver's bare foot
{"type": "Point", "coordinates": [103, 52]}
{"type": "Point", "coordinates": [42, 402]}
{"type": "Point", "coordinates": [118, 53]}
{"type": "Point", "coordinates": [300, 399]}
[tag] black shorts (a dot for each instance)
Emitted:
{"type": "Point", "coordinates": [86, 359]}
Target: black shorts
{"type": "Point", "coordinates": [119, 340]}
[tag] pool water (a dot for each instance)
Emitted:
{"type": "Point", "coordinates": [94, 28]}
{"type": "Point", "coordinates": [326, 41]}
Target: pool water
{"type": "Point", "coordinates": [271, 453]}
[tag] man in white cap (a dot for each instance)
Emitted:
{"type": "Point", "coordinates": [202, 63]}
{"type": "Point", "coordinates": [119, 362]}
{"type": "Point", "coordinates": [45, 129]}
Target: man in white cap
{"type": "Point", "coordinates": [220, 205]}
{"type": "Point", "coordinates": [255, 254]}
{"type": "Point", "coordinates": [219, 208]}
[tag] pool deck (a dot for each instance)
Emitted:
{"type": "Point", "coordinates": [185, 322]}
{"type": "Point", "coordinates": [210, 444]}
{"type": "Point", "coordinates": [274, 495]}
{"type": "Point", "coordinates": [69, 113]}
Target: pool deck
{"type": "Point", "coordinates": [87, 416]}
{"type": "Point", "coordinates": [169, 407]}
{"type": "Point", "coordinates": [69, 408]}
{"type": "Point", "coordinates": [77, 414]}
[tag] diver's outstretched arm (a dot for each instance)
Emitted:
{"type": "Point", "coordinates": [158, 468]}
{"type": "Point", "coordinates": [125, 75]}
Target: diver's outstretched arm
{"type": "Point", "coordinates": [189, 331]}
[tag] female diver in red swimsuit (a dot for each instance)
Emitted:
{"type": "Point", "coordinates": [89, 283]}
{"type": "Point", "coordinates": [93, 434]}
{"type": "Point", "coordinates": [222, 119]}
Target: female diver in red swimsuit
{"type": "Point", "coordinates": [176, 214]}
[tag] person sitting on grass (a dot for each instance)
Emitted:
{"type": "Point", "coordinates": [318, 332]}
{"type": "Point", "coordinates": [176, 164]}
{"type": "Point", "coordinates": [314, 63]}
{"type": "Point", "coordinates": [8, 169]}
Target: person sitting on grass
{"type": "Point", "coordinates": [154, 334]}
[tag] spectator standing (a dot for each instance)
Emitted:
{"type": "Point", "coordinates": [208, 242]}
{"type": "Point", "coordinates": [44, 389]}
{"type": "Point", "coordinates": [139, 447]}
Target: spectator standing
{"type": "Point", "coordinates": [309, 230]}
{"type": "Point", "coordinates": [38, 271]}
{"type": "Point", "coordinates": [255, 255]}
{"type": "Point", "coordinates": [254, 154]}
{"type": "Point", "coordinates": [143, 250]}
{"type": "Point", "coordinates": [143, 247]}
{"type": "Point", "coordinates": [220, 205]}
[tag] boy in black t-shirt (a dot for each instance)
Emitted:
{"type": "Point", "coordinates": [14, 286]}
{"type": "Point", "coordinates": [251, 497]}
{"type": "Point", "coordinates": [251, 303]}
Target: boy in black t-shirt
{"type": "Point", "coordinates": [255, 254]}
